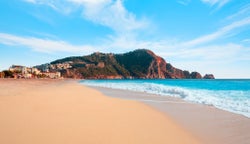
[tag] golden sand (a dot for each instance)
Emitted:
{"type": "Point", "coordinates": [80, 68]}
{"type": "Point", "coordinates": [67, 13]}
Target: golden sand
{"type": "Point", "coordinates": [40, 112]}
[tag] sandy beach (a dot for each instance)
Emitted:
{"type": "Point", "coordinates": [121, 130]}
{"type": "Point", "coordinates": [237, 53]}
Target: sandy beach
{"type": "Point", "coordinates": [209, 124]}
{"type": "Point", "coordinates": [65, 112]}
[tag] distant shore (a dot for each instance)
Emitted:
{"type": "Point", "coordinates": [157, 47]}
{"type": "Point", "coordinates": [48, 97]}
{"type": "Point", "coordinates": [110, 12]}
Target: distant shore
{"type": "Point", "coordinates": [63, 111]}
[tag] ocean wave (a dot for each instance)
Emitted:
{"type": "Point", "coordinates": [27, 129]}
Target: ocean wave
{"type": "Point", "coordinates": [235, 101]}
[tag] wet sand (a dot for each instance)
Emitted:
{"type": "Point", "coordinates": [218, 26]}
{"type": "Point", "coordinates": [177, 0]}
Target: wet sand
{"type": "Point", "coordinates": [207, 123]}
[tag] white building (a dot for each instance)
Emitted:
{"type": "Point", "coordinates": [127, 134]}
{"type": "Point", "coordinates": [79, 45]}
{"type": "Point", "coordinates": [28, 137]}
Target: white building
{"type": "Point", "coordinates": [18, 68]}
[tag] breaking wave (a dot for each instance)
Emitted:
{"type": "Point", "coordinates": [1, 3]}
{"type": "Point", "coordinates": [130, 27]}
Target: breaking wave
{"type": "Point", "coordinates": [236, 101]}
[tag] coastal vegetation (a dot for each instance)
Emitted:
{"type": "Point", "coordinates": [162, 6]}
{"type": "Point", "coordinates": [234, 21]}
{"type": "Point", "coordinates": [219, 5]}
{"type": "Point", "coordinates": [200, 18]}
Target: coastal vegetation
{"type": "Point", "coordinates": [138, 64]}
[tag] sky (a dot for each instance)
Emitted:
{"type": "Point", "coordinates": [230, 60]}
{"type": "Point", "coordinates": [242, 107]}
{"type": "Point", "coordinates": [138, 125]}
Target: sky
{"type": "Point", "coordinates": [208, 36]}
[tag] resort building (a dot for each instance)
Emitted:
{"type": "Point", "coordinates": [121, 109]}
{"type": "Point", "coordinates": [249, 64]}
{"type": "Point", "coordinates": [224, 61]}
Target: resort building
{"type": "Point", "coordinates": [33, 72]}
{"type": "Point", "coordinates": [18, 68]}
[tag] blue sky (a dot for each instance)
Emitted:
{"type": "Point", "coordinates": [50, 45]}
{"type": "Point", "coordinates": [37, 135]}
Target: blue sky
{"type": "Point", "coordinates": [209, 36]}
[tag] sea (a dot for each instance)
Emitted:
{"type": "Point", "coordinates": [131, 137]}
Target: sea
{"type": "Point", "coordinates": [232, 95]}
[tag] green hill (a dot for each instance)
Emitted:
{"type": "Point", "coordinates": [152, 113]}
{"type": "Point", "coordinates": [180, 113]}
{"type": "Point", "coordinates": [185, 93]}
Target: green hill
{"type": "Point", "coordinates": [140, 63]}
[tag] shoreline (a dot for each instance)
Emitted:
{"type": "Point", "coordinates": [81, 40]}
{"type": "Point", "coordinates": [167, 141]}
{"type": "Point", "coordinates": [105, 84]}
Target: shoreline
{"type": "Point", "coordinates": [208, 123]}
{"type": "Point", "coordinates": [235, 93]}
{"type": "Point", "coordinates": [163, 98]}
{"type": "Point", "coordinates": [41, 111]}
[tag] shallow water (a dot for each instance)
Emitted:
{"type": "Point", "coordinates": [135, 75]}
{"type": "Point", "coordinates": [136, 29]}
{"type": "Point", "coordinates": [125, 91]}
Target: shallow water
{"type": "Point", "coordinates": [228, 94]}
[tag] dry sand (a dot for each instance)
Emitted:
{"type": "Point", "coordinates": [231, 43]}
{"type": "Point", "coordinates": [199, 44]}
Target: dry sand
{"type": "Point", "coordinates": [63, 112]}
{"type": "Point", "coordinates": [207, 123]}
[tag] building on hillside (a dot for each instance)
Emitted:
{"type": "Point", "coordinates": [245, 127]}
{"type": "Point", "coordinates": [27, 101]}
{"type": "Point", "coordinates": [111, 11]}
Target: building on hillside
{"type": "Point", "coordinates": [20, 76]}
{"type": "Point", "coordinates": [18, 68]}
{"type": "Point", "coordinates": [61, 66]}
{"type": "Point", "coordinates": [32, 70]}
{"type": "Point", "coordinates": [27, 75]}
{"type": "Point", "coordinates": [52, 75]}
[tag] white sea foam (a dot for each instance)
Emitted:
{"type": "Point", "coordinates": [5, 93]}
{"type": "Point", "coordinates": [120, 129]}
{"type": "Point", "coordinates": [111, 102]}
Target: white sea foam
{"type": "Point", "coordinates": [229, 100]}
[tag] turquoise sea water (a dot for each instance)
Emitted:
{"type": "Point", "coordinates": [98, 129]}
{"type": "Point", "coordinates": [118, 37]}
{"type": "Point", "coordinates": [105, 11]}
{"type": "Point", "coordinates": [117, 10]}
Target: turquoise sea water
{"type": "Point", "coordinates": [228, 94]}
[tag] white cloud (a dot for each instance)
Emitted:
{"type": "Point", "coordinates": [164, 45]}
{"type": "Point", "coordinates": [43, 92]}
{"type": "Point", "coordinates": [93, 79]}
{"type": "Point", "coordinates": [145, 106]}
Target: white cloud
{"type": "Point", "coordinates": [60, 6]}
{"type": "Point", "coordinates": [218, 3]}
{"type": "Point", "coordinates": [183, 2]}
{"type": "Point", "coordinates": [246, 40]}
{"type": "Point", "coordinates": [93, 2]}
{"type": "Point", "coordinates": [30, 1]}
{"type": "Point", "coordinates": [242, 12]}
{"type": "Point", "coordinates": [115, 16]}
{"type": "Point", "coordinates": [109, 13]}
{"type": "Point", "coordinates": [210, 52]}
{"type": "Point", "coordinates": [43, 45]}
{"type": "Point", "coordinates": [220, 33]}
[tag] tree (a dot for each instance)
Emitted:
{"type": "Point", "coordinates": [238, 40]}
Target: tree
{"type": "Point", "coordinates": [2, 74]}
{"type": "Point", "coordinates": [8, 74]}
{"type": "Point", "coordinates": [41, 76]}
